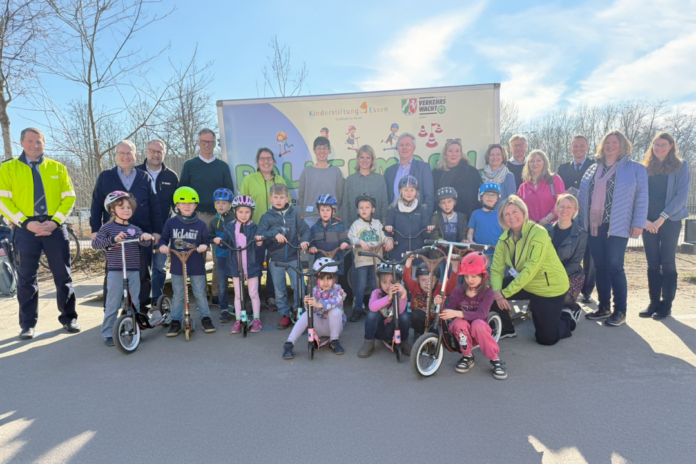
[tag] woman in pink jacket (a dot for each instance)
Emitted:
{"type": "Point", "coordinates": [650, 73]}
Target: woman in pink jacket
{"type": "Point", "coordinates": [540, 188]}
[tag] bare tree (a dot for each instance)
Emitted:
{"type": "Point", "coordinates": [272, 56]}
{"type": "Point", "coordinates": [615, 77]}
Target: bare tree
{"type": "Point", "coordinates": [22, 25]}
{"type": "Point", "coordinates": [280, 78]}
{"type": "Point", "coordinates": [510, 121]}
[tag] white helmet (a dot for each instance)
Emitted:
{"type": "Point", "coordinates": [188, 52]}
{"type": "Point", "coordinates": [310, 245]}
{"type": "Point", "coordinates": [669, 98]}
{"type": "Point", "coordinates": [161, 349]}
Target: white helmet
{"type": "Point", "coordinates": [328, 269]}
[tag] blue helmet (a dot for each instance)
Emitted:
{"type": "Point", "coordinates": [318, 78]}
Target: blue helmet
{"type": "Point", "coordinates": [327, 199]}
{"type": "Point", "coordinates": [408, 181]}
{"type": "Point", "coordinates": [223, 194]}
{"type": "Point", "coordinates": [489, 187]}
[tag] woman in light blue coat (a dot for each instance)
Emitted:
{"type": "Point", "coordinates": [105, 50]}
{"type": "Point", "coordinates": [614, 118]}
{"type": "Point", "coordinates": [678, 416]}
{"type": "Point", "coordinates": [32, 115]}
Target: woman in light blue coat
{"type": "Point", "coordinates": [613, 207]}
{"type": "Point", "coordinates": [668, 190]}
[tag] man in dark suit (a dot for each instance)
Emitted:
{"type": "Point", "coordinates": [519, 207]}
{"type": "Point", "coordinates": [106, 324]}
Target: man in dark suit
{"type": "Point", "coordinates": [571, 173]}
{"type": "Point", "coordinates": [406, 147]}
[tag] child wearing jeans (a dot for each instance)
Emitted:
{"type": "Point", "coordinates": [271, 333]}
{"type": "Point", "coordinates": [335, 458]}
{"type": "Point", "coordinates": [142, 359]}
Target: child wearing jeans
{"type": "Point", "coordinates": [120, 205]}
{"type": "Point", "coordinates": [366, 232]}
{"type": "Point", "coordinates": [472, 302]}
{"type": "Point", "coordinates": [186, 228]}
{"type": "Point", "coordinates": [238, 234]}
{"type": "Point", "coordinates": [216, 231]}
{"type": "Point", "coordinates": [327, 303]}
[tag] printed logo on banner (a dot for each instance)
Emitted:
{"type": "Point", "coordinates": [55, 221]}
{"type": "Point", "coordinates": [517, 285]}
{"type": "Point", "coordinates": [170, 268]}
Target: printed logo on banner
{"type": "Point", "coordinates": [409, 106]}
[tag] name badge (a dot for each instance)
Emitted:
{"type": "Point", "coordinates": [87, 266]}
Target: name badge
{"type": "Point", "coordinates": [514, 273]}
{"type": "Point", "coordinates": [310, 209]}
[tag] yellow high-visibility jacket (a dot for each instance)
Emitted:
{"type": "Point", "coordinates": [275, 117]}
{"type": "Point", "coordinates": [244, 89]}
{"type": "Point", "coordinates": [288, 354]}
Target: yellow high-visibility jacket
{"type": "Point", "coordinates": [17, 190]}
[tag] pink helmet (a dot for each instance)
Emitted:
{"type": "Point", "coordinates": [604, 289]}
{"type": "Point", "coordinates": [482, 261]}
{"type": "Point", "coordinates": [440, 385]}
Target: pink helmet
{"type": "Point", "coordinates": [243, 200]}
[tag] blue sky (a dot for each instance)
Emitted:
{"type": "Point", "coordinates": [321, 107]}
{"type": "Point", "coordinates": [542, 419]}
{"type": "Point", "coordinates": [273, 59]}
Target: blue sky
{"type": "Point", "coordinates": [546, 54]}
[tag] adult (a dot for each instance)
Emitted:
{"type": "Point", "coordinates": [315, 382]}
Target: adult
{"type": "Point", "coordinates": [319, 179]}
{"type": "Point", "coordinates": [205, 174]}
{"type": "Point", "coordinates": [37, 195]}
{"type": "Point", "coordinates": [570, 242]}
{"type": "Point", "coordinates": [516, 163]}
{"type": "Point", "coordinates": [496, 171]}
{"type": "Point", "coordinates": [540, 188]}
{"type": "Point", "coordinates": [257, 186]}
{"type": "Point", "coordinates": [148, 215]}
{"type": "Point", "coordinates": [571, 173]}
{"type": "Point", "coordinates": [407, 166]}
{"type": "Point", "coordinates": [613, 207]}
{"type": "Point", "coordinates": [453, 169]}
{"type": "Point", "coordinates": [165, 182]}
{"type": "Point", "coordinates": [668, 191]}
{"type": "Point", "coordinates": [536, 274]}
{"type": "Point", "coordinates": [364, 181]}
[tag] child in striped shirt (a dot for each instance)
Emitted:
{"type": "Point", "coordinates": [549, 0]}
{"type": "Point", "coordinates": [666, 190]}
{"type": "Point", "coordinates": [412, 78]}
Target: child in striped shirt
{"type": "Point", "coordinates": [121, 206]}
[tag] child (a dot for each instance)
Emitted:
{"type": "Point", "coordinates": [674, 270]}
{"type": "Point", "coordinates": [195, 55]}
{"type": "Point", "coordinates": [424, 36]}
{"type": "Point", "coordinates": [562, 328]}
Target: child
{"type": "Point", "coordinates": [238, 234]}
{"type": "Point", "coordinates": [329, 233]}
{"type": "Point", "coordinates": [419, 294]}
{"type": "Point", "coordinates": [366, 232]}
{"type": "Point", "coordinates": [447, 224]}
{"type": "Point", "coordinates": [327, 300]}
{"type": "Point", "coordinates": [120, 205]}
{"type": "Point", "coordinates": [283, 223]}
{"type": "Point", "coordinates": [472, 302]}
{"type": "Point", "coordinates": [408, 217]}
{"type": "Point", "coordinates": [216, 230]}
{"type": "Point", "coordinates": [187, 228]}
{"type": "Point", "coordinates": [484, 227]}
{"type": "Point", "coordinates": [380, 322]}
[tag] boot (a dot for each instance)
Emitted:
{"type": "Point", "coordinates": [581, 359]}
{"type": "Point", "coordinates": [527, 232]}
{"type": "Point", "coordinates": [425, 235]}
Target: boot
{"type": "Point", "coordinates": [655, 282]}
{"type": "Point", "coordinates": [669, 291]}
{"type": "Point", "coordinates": [367, 349]}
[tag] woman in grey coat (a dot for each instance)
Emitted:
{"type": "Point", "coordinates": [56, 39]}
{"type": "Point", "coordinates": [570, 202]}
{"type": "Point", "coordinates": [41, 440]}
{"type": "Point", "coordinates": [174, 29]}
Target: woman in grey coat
{"type": "Point", "coordinates": [364, 180]}
{"type": "Point", "coordinates": [613, 207]}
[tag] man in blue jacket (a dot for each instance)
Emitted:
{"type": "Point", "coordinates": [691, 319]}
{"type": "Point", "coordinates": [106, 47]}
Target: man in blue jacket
{"type": "Point", "coordinates": [406, 147]}
{"type": "Point", "coordinates": [147, 216]}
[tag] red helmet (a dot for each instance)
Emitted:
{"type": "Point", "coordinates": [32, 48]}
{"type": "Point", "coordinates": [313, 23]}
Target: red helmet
{"type": "Point", "coordinates": [474, 263]}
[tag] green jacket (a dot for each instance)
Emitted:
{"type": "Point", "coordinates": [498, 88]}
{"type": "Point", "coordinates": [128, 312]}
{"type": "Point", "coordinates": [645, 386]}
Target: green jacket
{"type": "Point", "coordinates": [540, 271]}
{"type": "Point", "coordinates": [255, 186]}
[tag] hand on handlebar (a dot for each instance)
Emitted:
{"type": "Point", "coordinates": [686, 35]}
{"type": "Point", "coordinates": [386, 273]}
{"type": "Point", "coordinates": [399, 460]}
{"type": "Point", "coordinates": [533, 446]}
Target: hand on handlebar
{"type": "Point", "coordinates": [430, 228]}
{"type": "Point", "coordinates": [389, 245]}
{"type": "Point", "coordinates": [217, 240]}
{"type": "Point", "coordinates": [304, 246]}
{"type": "Point", "coordinates": [164, 249]}
{"type": "Point", "coordinates": [389, 229]}
{"type": "Point", "coordinates": [409, 261]}
{"type": "Point", "coordinates": [146, 237]}
{"type": "Point", "coordinates": [202, 248]}
{"type": "Point", "coordinates": [281, 238]}
{"type": "Point", "coordinates": [447, 314]}
{"type": "Point", "coordinates": [311, 301]}
{"type": "Point", "coordinates": [363, 244]}
{"type": "Point", "coordinates": [120, 237]}
{"type": "Point", "coordinates": [437, 300]}
{"type": "Point", "coordinates": [313, 250]}
{"type": "Point", "coordinates": [344, 246]}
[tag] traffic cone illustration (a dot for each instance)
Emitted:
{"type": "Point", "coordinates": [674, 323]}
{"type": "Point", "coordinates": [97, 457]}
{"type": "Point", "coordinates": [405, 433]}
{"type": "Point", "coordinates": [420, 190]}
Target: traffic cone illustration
{"type": "Point", "coordinates": [432, 143]}
{"type": "Point", "coordinates": [438, 130]}
{"type": "Point", "coordinates": [422, 132]}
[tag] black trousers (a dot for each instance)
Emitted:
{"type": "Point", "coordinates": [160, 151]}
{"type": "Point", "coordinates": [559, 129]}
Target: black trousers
{"type": "Point", "coordinates": [28, 249]}
{"type": "Point", "coordinates": [661, 248]}
{"type": "Point", "coordinates": [418, 321]}
{"type": "Point", "coordinates": [588, 267]}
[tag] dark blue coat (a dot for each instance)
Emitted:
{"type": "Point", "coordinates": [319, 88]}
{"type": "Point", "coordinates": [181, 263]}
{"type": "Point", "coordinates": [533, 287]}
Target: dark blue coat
{"type": "Point", "coordinates": [409, 225]}
{"type": "Point", "coordinates": [255, 253]}
{"type": "Point", "coordinates": [290, 224]}
{"type": "Point", "coordinates": [330, 237]}
{"type": "Point", "coordinates": [421, 171]}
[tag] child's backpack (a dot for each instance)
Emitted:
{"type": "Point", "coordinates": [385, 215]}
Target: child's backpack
{"type": "Point", "coordinates": [8, 275]}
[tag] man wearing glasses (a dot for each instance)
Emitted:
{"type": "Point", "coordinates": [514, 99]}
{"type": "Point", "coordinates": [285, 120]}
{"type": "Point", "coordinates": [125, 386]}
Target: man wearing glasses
{"type": "Point", "coordinates": [165, 182]}
{"type": "Point", "coordinates": [205, 174]}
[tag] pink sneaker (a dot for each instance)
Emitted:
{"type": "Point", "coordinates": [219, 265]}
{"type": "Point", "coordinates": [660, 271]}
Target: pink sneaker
{"type": "Point", "coordinates": [237, 327]}
{"type": "Point", "coordinates": [256, 326]}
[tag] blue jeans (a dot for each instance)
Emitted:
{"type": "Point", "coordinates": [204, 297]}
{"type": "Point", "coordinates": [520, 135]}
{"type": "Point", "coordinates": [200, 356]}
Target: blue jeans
{"type": "Point", "coordinates": [362, 276]}
{"type": "Point", "coordinates": [281, 289]}
{"type": "Point", "coordinates": [223, 283]}
{"type": "Point", "coordinates": [375, 328]}
{"type": "Point", "coordinates": [159, 275]}
{"type": "Point", "coordinates": [114, 282]}
{"type": "Point", "coordinates": [608, 253]}
{"type": "Point", "coordinates": [198, 287]}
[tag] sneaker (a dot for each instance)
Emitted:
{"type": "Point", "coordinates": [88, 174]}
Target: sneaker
{"type": "Point", "coordinates": [367, 349]}
{"type": "Point", "coordinates": [72, 327]}
{"type": "Point", "coordinates": [215, 300]}
{"type": "Point", "coordinates": [356, 315]}
{"type": "Point", "coordinates": [512, 334]}
{"type": "Point", "coordinates": [649, 311]}
{"type": "Point", "coordinates": [586, 299]}
{"type": "Point", "coordinates": [271, 304]}
{"type": "Point", "coordinates": [336, 347]}
{"type": "Point", "coordinates": [601, 313]}
{"type": "Point", "coordinates": [108, 341]}
{"type": "Point", "coordinates": [498, 369]}
{"type": "Point", "coordinates": [464, 364]}
{"type": "Point", "coordinates": [284, 323]}
{"type": "Point", "coordinates": [27, 334]}
{"type": "Point", "coordinates": [174, 329]}
{"type": "Point", "coordinates": [405, 348]}
{"type": "Point", "coordinates": [256, 326]}
{"type": "Point", "coordinates": [287, 351]}
{"type": "Point", "coordinates": [224, 317]}
{"type": "Point", "coordinates": [574, 317]}
{"type": "Point", "coordinates": [616, 319]}
{"type": "Point", "coordinates": [207, 324]}
{"type": "Point", "coordinates": [237, 327]}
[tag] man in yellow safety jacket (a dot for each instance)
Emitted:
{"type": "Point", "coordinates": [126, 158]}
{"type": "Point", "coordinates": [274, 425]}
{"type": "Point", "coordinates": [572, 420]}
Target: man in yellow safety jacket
{"type": "Point", "coordinates": [36, 194]}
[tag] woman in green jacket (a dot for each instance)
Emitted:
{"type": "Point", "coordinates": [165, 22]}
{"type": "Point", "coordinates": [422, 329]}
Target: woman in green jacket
{"type": "Point", "coordinates": [536, 274]}
{"type": "Point", "coordinates": [256, 186]}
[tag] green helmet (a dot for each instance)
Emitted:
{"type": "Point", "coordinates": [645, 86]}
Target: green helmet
{"type": "Point", "coordinates": [185, 195]}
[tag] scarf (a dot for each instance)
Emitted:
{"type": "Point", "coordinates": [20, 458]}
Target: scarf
{"type": "Point", "coordinates": [599, 196]}
{"type": "Point", "coordinates": [498, 177]}
{"type": "Point", "coordinates": [407, 209]}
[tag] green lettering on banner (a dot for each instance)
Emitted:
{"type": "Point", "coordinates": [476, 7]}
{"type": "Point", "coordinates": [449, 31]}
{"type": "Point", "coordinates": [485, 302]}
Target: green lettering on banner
{"type": "Point", "coordinates": [383, 164]}
{"type": "Point", "coordinates": [287, 175]}
{"type": "Point", "coordinates": [241, 171]}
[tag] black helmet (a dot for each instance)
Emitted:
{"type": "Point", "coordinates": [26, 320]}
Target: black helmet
{"type": "Point", "coordinates": [446, 192]}
{"type": "Point", "coordinates": [366, 197]}
{"type": "Point", "coordinates": [422, 270]}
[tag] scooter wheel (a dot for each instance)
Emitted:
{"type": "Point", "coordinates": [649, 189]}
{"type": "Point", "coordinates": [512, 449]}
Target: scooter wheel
{"type": "Point", "coordinates": [164, 306]}
{"type": "Point", "coordinates": [424, 360]}
{"type": "Point", "coordinates": [126, 334]}
{"type": "Point", "coordinates": [397, 350]}
{"type": "Point", "coordinates": [244, 329]}
{"type": "Point", "coordinates": [187, 333]}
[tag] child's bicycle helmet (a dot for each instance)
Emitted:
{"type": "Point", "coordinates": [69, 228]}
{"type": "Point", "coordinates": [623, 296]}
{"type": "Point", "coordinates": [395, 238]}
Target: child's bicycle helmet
{"type": "Point", "coordinates": [222, 194]}
{"type": "Point", "coordinates": [113, 197]}
{"type": "Point", "coordinates": [328, 269]}
{"type": "Point", "coordinates": [422, 270]}
{"type": "Point", "coordinates": [366, 197]}
{"type": "Point", "coordinates": [243, 200]}
{"type": "Point", "coordinates": [474, 263]}
{"type": "Point", "coordinates": [489, 187]}
{"type": "Point", "coordinates": [328, 200]}
{"type": "Point", "coordinates": [185, 195]}
{"type": "Point", "coordinates": [408, 181]}
{"type": "Point", "coordinates": [387, 269]}
{"type": "Point", "coordinates": [446, 192]}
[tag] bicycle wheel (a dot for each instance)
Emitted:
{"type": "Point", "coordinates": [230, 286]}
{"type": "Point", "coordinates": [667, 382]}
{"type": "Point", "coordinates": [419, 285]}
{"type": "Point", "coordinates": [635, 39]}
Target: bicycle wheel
{"type": "Point", "coordinates": [74, 245]}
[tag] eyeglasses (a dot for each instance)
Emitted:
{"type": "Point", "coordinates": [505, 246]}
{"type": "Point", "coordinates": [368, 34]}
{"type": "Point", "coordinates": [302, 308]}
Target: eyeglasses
{"type": "Point", "coordinates": [155, 152]}
{"type": "Point", "coordinates": [207, 142]}
{"type": "Point", "coordinates": [265, 159]}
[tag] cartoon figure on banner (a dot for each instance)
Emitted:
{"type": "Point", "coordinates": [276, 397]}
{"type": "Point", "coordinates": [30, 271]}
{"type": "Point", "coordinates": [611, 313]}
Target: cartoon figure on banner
{"type": "Point", "coordinates": [390, 139]}
{"type": "Point", "coordinates": [352, 139]}
{"type": "Point", "coordinates": [283, 146]}
{"type": "Point", "coordinates": [324, 132]}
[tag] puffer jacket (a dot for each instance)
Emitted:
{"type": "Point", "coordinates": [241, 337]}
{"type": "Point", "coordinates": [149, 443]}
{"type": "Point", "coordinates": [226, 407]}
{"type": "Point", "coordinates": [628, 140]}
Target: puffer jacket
{"type": "Point", "coordinates": [407, 225]}
{"type": "Point", "coordinates": [255, 253]}
{"type": "Point", "coordinates": [286, 222]}
{"type": "Point", "coordinates": [329, 237]}
{"type": "Point", "coordinates": [216, 228]}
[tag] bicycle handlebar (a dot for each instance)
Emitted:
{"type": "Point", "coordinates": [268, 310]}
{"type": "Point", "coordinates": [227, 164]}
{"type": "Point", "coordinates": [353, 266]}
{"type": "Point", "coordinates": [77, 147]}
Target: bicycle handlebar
{"type": "Point", "coordinates": [408, 237]}
{"type": "Point", "coordinates": [474, 246]}
{"type": "Point", "coordinates": [391, 262]}
{"type": "Point", "coordinates": [309, 273]}
{"type": "Point", "coordinates": [231, 248]}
